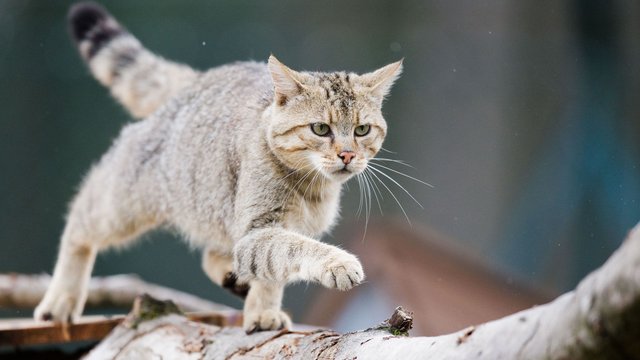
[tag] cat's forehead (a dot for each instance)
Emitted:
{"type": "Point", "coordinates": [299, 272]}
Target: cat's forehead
{"type": "Point", "coordinates": [338, 91]}
{"type": "Point", "coordinates": [337, 86]}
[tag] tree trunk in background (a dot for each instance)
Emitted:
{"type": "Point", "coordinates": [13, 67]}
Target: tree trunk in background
{"type": "Point", "coordinates": [598, 320]}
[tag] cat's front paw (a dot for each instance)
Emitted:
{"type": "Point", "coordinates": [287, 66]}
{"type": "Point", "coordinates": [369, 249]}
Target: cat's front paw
{"type": "Point", "coordinates": [266, 320]}
{"type": "Point", "coordinates": [342, 273]}
{"type": "Point", "coordinates": [59, 307]}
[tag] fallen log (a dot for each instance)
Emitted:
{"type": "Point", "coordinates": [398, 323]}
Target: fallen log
{"type": "Point", "coordinates": [116, 291]}
{"type": "Point", "coordinates": [600, 319]}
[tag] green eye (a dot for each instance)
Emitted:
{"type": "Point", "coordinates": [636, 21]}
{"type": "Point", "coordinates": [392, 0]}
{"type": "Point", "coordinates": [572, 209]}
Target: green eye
{"type": "Point", "coordinates": [362, 130]}
{"type": "Point", "coordinates": [320, 129]}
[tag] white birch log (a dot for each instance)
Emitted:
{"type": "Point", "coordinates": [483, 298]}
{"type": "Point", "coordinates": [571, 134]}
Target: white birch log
{"type": "Point", "coordinates": [26, 291]}
{"type": "Point", "coordinates": [598, 320]}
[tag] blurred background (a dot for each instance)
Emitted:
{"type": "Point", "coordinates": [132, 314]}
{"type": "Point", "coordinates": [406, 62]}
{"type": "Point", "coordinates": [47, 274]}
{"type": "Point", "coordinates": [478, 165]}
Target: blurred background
{"type": "Point", "coordinates": [522, 115]}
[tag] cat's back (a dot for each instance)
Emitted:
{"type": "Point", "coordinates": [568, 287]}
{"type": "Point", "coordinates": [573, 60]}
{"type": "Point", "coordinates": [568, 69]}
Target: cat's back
{"type": "Point", "coordinates": [239, 85]}
{"type": "Point", "coordinates": [223, 103]}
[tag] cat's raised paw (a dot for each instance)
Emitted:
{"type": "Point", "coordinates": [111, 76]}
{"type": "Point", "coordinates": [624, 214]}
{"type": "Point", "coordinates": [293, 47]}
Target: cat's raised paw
{"type": "Point", "coordinates": [343, 274]}
{"type": "Point", "coordinates": [266, 320]}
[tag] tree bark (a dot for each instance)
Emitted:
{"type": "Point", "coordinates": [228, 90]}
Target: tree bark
{"type": "Point", "coordinates": [598, 320]}
{"type": "Point", "coordinates": [26, 291]}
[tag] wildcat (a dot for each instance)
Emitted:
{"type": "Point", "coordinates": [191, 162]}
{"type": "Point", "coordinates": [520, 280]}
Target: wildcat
{"type": "Point", "coordinates": [245, 160]}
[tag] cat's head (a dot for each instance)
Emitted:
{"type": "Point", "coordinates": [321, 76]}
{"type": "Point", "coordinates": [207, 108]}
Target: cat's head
{"type": "Point", "coordinates": [330, 122]}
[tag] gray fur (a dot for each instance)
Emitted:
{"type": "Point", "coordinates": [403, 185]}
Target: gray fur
{"type": "Point", "coordinates": [227, 157]}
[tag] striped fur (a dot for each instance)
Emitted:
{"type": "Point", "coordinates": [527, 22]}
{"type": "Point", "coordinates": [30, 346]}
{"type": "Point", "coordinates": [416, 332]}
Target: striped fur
{"type": "Point", "coordinates": [228, 158]}
{"type": "Point", "coordinates": [139, 79]}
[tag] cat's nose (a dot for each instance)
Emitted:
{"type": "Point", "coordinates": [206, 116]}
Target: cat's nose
{"type": "Point", "coordinates": [346, 156]}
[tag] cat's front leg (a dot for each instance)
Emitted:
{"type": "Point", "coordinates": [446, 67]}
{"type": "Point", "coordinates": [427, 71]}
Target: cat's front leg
{"type": "Point", "coordinates": [262, 307]}
{"type": "Point", "coordinates": [281, 256]}
{"type": "Point", "coordinates": [270, 258]}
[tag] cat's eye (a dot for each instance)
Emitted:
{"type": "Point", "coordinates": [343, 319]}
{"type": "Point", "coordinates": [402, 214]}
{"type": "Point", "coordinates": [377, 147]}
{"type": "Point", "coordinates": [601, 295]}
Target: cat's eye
{"type": "Point", "coordinates": [320, 129]}
{"type": "Point", "coordinates": [362, 130]}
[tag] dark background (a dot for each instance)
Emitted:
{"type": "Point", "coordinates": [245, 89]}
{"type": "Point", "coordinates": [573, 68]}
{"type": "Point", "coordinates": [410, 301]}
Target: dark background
{"type": "Point", "coordinates": [523, 115]}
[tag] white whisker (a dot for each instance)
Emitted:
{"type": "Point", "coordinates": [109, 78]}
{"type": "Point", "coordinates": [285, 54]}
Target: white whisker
{"type": "Point", "coordinates": [394, 197]}
{"type": "Point", "coordinates": [404, 163]}
{"type": "Point", "coordinates": [309, 185]}
{"type": "Point", "coordinates": [398, 184]}
{"type": "Point", "coordinates": [403, 174]}
{"type": "Point", "coordinates": [296, 167]}
{"type": "Point", "coordinates": [360, 186]}
{"type": "Point", "coordinates": [367, 204]}
{"type": "Point", "coordinates": [297, 184]}
{"type": "Point", "coordinates": [374, 187]}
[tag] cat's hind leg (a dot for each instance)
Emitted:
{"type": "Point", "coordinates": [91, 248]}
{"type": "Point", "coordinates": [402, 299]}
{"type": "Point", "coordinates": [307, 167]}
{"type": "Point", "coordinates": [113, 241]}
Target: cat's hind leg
{"type": "Point", "coordinates": [63, 302]}
{"type": "Point", "coordinates": [106, 212]}
{"type": "Point", "coordinates": [219, 268]}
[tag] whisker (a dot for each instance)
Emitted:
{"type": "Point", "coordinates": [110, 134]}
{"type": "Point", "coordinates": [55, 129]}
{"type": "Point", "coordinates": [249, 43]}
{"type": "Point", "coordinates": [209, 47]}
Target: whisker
{"type": "Point", "coordinates": [401, 162]}
{"type": "Point", "coordinates": [389, 151]}
{"type": "Point", "coordinates": [375, 188]}
{"type": "Point", "coordinates": [367, 204]}
{"type": "Point", "coordinates": [322, 187]}
{"type": "Point", "coordinates": [403, 174]}
{"type": "Point", "coordinates": [360, 186]}
{"type": "Point", "coordinates": [394, 197]}
{"type": "Point", "coordinates": [298, 163]}
{"type": "Point", "coordinates": [310, 184]}
{"type": "Point", "coordinates": [375, 184]}
{"type": "Point", "coordinates": [398, 184]}
{"type": "Point", "coordinates": [297, 184]}
{"type": "Point", "coordinates": [313, 179]}
{"type": "Point", "coordinates": [301, 180]}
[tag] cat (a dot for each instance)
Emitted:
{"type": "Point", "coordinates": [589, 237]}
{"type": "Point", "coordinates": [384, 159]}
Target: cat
{"type": "Point", "coordinates": [246, 160]}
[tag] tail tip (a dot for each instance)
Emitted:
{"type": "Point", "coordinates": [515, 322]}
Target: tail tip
{"type": "Point", "coordinates": [90, 21]}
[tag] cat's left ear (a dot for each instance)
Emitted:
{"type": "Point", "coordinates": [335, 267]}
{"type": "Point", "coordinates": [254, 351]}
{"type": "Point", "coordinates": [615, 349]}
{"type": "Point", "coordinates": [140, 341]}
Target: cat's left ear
{"type": "Point", "coordinates": [378, 83]}
{"type": "Point", "coordinates": [287, 83]}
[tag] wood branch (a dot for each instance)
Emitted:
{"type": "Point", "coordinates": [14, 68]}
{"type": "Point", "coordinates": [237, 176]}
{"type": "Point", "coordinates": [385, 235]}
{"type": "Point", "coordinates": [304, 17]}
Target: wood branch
{"type": "Point", "coordinates": [119, 291]}
{"type": "Point", "coordinates": [21, 332]}
{"type": "Point", "coordinates": [599, 320]}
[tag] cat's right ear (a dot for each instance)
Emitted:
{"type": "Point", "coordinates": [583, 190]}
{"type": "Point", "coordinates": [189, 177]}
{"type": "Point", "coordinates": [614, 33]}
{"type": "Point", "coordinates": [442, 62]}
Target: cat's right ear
{"type": "Point", "coordinates": [287, 83]}
{"type": "Point", "coordinates": [379, 82]}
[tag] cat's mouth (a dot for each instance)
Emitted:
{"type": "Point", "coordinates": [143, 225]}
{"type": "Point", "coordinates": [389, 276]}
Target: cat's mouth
{"type": "Point", "coordinates": [344, 172]}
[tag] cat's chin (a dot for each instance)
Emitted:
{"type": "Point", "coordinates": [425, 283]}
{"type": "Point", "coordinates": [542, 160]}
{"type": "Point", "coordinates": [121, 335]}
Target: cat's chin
{"type": "Point", "coordinates": [342, 175]}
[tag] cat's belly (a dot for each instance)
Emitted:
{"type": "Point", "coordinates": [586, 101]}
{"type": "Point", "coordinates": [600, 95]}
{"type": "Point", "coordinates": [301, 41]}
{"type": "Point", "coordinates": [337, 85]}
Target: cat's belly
{"type": "Point", "coordinates": [205, 229]}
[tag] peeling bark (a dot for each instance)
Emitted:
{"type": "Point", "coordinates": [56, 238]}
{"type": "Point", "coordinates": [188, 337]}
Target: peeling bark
{"type": "Point", "coordinates": [598, 320]}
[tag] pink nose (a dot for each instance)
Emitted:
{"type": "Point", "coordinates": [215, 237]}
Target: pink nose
{"type": "Point", "coordinates": [346, 156]}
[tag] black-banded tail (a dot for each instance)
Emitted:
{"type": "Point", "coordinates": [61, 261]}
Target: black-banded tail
{"type": "Point", "coordinates": [139, 79]}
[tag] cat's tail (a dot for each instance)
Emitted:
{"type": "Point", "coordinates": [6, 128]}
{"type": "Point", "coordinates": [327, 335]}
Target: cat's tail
{"type": "Point", "coordinates": [139, 79]}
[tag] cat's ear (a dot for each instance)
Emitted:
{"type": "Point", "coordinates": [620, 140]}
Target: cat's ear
{"type": "Point", "coordinates": [378, 83]}
{"type": "Point", "coordinates": [287, 83]}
